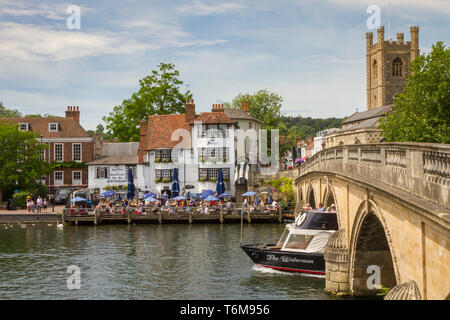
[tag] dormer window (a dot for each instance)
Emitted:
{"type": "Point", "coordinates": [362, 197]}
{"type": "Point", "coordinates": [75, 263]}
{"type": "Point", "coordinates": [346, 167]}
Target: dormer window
{"type": "Point", "coordinates": [23, 126]}
{"type": "Point", "coordinates": [53, 126]}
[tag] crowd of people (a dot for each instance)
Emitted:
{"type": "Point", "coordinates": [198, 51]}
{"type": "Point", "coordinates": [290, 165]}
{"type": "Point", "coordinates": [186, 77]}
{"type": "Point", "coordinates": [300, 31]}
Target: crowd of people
{"type": "Point", "coordinates": [171, 205]}
{"type": "Point", "coordinates": [39, 205]}
{"type": "Point", "coordinates": [321, 208]}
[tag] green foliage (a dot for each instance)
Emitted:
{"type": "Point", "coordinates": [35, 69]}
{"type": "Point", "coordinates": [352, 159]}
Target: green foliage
{"type": "Point", "coordinates": [20, 161]}
{"type": "Point", "coordinates": [8, 113]}
{"type": "Point", "coordinates": [383, 291]}
{"type": "Point", "coordinates": [67, 164]}
{"type": "Point", "coordinates": [421, 113]}
{"type": "Point", "coordinates": [33, 190]}
{"type": "Point", "coordinates": [20, 198]}
{"type": "Point", "coordinates": [159, 93]}
{"type": "Point", "coordinates": [263, 105]}
{"type": "Point", "coordinates": [284, 186]}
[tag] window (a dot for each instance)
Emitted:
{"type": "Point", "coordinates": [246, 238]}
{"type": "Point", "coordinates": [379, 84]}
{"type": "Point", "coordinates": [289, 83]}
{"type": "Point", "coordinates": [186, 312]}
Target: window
{"type": "Point", "coordinates": [41, 155]}
{"type": "Point", "coordinates": [397, 65]}
{"type": "Point", "coordinates": [23, 126]}
{"type": "Point", "coordinates": [212, 154]}
{"type": "Point", "coordinates": [375, 69]}
{"type": "Point", "coordinates": [163, 155]}
{"type": "Point", "coordinates": [212, 174]}
{"type": "Point", "coordinates": [76, 152]}
{"type": "Point", "coordinates": [102, 173]}
{"type": "Point", "coordinates": [203, 174]}
{"type": "Point", "coordinates": [202, 154]}
{"type": "Point", "coordinates": [298, 241]}
{"type": "Point", "coordinates": [224, 155]}
{"type": "Point", "coordinates": [52, 126]}
{"type": "Point", "coordinates": [76, 177]}
{"type": "Point", "coordinates": [59, 156]}
{"type": "Point", "coordinates": [59, 177]}
{"type": "Point", "coordinates": [164, 174]}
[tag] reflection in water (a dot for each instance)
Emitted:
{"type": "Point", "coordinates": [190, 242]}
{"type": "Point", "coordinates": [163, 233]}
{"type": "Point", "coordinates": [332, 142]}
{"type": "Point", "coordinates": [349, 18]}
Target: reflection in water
{"type": "Point", "coordinates": [165, 261]}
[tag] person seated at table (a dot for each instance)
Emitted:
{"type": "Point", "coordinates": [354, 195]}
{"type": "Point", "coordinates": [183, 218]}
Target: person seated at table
{"type": "Point", "coordinates": [72, 210]}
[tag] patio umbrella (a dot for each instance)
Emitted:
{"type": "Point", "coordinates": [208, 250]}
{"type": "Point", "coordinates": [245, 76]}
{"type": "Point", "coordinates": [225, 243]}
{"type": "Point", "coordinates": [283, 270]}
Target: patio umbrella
{"type": "Point", "coordinates": [206, 193]}
{"type": "Point", "coordinates": [225, 194]}
{"type": "Point", "coordinates": [130, 188]}
{"type": "Point", "coordinates": [211, 198]}
{"type": "Point", "coordinates": [175, 186]}
{"type": "Point", "coordinates": [107, 194]}
{"type": "Point", "coordinates": [256, 200]}
{"type": "Point", "coordinates": [78, 199]}
{"type": "Point", "coordinates": [249, 194]}
{"type": "Point", "coordinates": [179, 198]}
{"type": "Point", "coordinates": [150, 199]}
{"type": "Point", "coordinates": [220, 187]}
{"type": "Point", "coordinates": [149, 194]}
{"type": "Point", "coordinates": [270, 199]}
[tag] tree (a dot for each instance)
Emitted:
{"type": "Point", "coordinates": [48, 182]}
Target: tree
{"type": "Point", "coordinates": [8, 113]}
{"type": "Point", "coordinates": [159, 93]}
{"type": "Point", "coordinates": [263, 105]}
{"type": "Point", "coordinates": [20, 161]}
{"type": "Point", "coordinates": [421, 113]}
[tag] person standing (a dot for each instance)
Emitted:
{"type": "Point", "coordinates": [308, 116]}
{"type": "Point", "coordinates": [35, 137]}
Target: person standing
{"type": "Point", "coordinates": [45, 204]}
{"type": "Point", "coordinates": [39, 204]}
{"type": "Point", "coordinates": [29, 204]}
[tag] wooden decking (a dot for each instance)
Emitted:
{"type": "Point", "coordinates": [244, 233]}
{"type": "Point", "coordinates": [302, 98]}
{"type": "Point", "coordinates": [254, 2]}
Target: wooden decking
{"type": "Point", "coordinates": [160, 216]}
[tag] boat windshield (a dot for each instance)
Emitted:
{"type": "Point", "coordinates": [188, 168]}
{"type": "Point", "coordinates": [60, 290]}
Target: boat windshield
{"type": "Point", "coordinates": [283, 238]}
{"type": "Point", "coordinates": [298, 241]}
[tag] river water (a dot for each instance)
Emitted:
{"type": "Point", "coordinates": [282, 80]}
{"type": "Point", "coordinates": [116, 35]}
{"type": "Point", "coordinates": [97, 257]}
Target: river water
{"type": "Point", "coordinates": [198, 261]}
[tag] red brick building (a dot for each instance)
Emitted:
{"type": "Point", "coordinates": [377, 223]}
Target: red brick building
{"type": "Point", "coordinates": [69, 144]}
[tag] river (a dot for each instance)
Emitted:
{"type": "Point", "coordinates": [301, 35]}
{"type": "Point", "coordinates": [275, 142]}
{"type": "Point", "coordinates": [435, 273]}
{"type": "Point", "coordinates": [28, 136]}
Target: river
{"type": "Point", "coordinates": [198, 261]}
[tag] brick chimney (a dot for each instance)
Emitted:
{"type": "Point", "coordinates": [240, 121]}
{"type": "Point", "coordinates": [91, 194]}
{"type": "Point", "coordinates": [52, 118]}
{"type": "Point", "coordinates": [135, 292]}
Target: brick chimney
{"type": "Point", "coordinates": [189, 114]}
{"type": "Point", "coordinates": [217, 108]}
{"type": "Point", "coordinates": [244, 106]}
{"type": "Point", "coordinates": [73, 113]}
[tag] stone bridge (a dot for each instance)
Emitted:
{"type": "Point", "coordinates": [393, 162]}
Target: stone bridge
{"type": "Point", "coordinates": [393, 203]}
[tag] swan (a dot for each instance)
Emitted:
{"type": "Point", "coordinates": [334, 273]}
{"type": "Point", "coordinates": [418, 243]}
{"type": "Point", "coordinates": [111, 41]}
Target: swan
{"type": "Point", "coordinates": [59, 225]}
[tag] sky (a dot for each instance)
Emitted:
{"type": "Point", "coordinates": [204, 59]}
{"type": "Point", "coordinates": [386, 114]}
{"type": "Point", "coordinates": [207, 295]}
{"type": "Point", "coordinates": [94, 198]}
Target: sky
{"type": "Point", "coordinates": [311, 52]}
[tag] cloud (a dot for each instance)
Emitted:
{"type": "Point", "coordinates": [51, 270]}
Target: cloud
{"type": "Point", "coordinates": [198, 7]}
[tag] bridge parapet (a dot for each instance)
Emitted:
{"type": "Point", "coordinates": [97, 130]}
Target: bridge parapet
{"type": "Point", "coordinates": [422, 169]}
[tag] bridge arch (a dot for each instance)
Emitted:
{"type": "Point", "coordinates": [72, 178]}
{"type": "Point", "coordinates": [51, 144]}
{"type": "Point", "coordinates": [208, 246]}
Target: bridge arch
{"type": "Point", "coordinates": [311, 196]}
{"type": "Point", "coordinates": [371, 252]}
{"type": "Point", "coordinates": [330, 198]}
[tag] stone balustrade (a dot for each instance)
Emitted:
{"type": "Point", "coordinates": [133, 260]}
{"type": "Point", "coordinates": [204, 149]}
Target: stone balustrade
{"type": "Point", "coordinates": [422, 169]}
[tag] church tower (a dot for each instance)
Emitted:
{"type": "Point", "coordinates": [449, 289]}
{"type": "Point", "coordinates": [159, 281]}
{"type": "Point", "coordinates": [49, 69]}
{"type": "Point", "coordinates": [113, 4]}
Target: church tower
{"type": "Point", "coordinates": [387, 65]}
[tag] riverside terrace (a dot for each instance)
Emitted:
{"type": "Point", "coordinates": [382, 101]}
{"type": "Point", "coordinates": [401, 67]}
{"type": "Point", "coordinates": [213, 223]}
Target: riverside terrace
{"type": "Point", "coordinates": [148, 214]}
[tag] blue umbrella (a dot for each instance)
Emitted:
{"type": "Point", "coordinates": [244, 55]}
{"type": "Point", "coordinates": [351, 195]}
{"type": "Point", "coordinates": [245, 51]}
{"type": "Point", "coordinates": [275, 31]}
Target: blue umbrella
{"type": "Point", "coordinates": [179, 198]}
{"type": "Point", "coordinates": [150, 194]}
{"type": "Point", "coordinates": [78, 199]}
{"type": "Point", "coordinates": [130, 188]}
{"type": "Point", "coordinates": [249, 194]}
{"type": "Point", "coordinates": [175, 186]}
{"type": "Point", "coordinates": [211, 198]}
{"type": "Point", "coordinates": [150, 199]}
{"type": "Point", "coordinates": [270, 199]}
{"type": "Point", "coordinates": [206, 193]}
{"type": "Point", "coordinates": [220, 187]}
{"type": "Point", "coordinates": [256, 200]}
{"type": "Point", "coordinates": [225, 194]}
{"type": "Point", "coordinates": [107, 194]}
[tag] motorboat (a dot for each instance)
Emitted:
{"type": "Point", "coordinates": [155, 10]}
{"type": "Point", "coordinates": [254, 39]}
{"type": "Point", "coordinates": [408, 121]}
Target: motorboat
{"type": "Point", "coordinates": [301, 246]}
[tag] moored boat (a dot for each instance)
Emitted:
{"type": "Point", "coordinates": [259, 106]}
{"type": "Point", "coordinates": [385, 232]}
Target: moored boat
{"type": "Point", "coordinates": [301, 246]}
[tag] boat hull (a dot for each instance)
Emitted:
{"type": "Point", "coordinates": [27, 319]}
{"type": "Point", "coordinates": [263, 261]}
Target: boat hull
{"type": "Point", "coordinates": [310, 263]}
